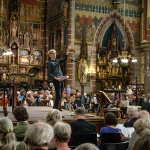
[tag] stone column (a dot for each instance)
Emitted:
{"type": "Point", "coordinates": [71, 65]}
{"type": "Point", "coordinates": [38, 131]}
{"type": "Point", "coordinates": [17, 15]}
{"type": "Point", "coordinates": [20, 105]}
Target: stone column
{"type": "Point", "coordinates": [146, 47]}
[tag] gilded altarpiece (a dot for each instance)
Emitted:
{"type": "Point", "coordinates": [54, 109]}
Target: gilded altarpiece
{"type": "Point", "coordinates": [21, 32]}
{"type": "Point", "coordinates": [111, 74]}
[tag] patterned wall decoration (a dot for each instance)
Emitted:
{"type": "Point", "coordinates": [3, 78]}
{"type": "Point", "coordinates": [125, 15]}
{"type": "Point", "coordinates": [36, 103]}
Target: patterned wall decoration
{"type": "Point", "coordinates": [89, 14]}
{"type": "Point", "coordinates": [30, 20]}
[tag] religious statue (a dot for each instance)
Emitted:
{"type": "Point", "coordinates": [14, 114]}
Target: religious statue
{"type": "Point", "coordinates": [121, 75]}
{"type": "Point", "coordinates": [1, 58]}
{"type": "Point", "coordinates": [104, 73]}
{"type": "Point", "coordinates": [113, 71]}
{"type": "Point", "coordinates": [14, 27]}
{"type": "Point", "coordinates": [32, 59]}
{"type": "Point", "coordinates": [114, 43]}
{"type": "Point", "coordinates": [36, 60]}
{"type": "Point", "coordinates": [40, 60]}
{"type": "Point", "coordinates": [97, 68]}
{"type": "Point", "coordinates": [65, 9]}
{"type": "Point", "coordinates": [83, 49]}
{"type": "Point", "coordinates": [24, 58]}
{"type": "Point", "coordinates": [83, 78]}
{"type": "Point", "coordinates": [104, 59]}
{"type": "Point", "coordinates": [27, 40]}
{"type": "Point", "coordinates": [125, 73]}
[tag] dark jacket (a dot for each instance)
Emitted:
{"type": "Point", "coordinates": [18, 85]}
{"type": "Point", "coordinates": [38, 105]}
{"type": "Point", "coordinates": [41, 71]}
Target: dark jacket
{"type": "Point", "coordinates": [53, 67]}
{"type": "Point", "coordinates": [139, 103]}
{"type": "Point", "coordinates": [130, 123]}
{"type": "Point", "coordinates": [81, 126]}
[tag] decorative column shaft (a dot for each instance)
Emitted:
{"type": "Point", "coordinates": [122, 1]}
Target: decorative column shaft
{"type": "Point", "coordinates": [146, 47]}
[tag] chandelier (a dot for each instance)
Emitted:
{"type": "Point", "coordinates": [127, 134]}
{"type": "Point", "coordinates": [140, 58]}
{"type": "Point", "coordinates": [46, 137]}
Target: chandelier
{"type": "Point", "coordinates": [124, 56]}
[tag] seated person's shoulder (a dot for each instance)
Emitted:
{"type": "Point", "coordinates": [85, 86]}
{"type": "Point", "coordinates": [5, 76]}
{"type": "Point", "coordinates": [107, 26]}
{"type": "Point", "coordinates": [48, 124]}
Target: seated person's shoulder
{"type": "Point", "coordinates": [21, 146]}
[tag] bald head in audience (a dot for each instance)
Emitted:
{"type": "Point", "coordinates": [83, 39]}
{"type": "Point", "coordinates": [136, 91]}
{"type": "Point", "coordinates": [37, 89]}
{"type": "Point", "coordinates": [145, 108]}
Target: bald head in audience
{"type": "Point", "coordinates": [87, 146]}
{"type": "Point", "coordinates": [143, 114]}
{"type": "Point", "coordinates": [39, 135]}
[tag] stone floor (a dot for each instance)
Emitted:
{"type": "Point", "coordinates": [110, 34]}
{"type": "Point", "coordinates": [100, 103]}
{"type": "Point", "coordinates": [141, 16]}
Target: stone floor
{"type": "Point", "coordinates": [38, 113]}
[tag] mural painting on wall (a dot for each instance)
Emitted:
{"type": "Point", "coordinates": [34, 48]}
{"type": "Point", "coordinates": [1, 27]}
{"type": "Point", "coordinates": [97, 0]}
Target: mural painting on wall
{"type": "Point", "coordinates": [58, 38]}
{"type": "Point", "coordinates": [86, 27]}
{"type": "Point", "coordinates": [30, 8]}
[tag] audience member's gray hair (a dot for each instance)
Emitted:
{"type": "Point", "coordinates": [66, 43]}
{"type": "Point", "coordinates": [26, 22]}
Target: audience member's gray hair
{"type": "Point", "coordinates": [80, 111]}
{"type": "Point", "coordinates": [143, 141]}
{"type": "Point", "coordinates": [7, 137]}
{"type": "Point", "coordinates": [53, 116]}
{"type": "Point", "coordinates": [62, 131]}
{"type": "Point", "coordinates": [68, 86]}
{"type": "Point", "coordinates": [87, 146]}
{"type": "Point", "coordinates": [141, 124]}
{"type": "Point", "coordinates": [132, 110]}
{"type": "Point", "coordinates": [40, 134]}
{"type": "Point", "coordinates": [143, 114]}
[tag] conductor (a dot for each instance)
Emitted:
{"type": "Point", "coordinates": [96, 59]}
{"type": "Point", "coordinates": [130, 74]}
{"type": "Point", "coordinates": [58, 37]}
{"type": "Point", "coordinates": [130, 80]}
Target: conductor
{"type": "Point", "coordinates": [54, 71]}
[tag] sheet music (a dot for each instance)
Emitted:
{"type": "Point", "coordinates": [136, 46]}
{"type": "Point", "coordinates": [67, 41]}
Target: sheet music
{"type": "Point", "coordinates": [63, 77]}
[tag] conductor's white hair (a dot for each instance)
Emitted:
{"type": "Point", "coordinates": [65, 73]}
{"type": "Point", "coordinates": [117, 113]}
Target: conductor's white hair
{"type": "Point", "coordinates": [87, 146]}
{"type": "Point", "coordinates": [40, 134]}
{"type": "Point", "coordinates": [132, 110]}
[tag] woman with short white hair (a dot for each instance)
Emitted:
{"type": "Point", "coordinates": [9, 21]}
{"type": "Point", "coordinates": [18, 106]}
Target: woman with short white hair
{"type": "Point", "coordinates": [52, 117]}
{"type": "Point", "coordinates": [62, 134]}
{"type": "Point", "coordinates": [7, 137]}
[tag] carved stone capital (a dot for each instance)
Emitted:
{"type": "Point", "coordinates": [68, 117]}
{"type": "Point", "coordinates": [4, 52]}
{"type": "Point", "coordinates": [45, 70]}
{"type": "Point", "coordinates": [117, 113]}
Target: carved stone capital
{"type": "Point", "coordinates": [145, 45]}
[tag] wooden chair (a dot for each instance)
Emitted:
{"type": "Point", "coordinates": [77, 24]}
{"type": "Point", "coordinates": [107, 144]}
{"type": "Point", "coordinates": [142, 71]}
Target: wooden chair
{"type": "Point", "coordinates": [115, 146]}
{"type": "Point", "coordinates": [110, 138]}
{"type": "Point", "coordinates": [78, 139]}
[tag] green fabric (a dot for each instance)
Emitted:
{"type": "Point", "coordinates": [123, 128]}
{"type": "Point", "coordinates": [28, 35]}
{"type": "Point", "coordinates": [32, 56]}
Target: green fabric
{"type": "Point", "coordinates": [20, 129]}
{"type": "Point", "coordinates": [20, 146]}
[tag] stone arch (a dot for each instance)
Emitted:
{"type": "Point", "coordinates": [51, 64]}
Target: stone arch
{"type": "Point", "coordinates": [14, 41]}
{"type": "Point", "coordinates": [121, 19]}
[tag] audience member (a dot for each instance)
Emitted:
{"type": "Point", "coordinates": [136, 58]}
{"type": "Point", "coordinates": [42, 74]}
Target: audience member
{"type": "Point", "coordinates": [68, 90]}
{"type": "Point", "coordinates": [39, 136]}
{"type": "Point", "coordinates": [37, 99]}
{"type": "Point", "coordinates": [52, 117]}
{"type": "Point", "coordinates": [80, 125]}
{"type": "Point", "coordinates": [2, 99]}
{"type": "Point", "coordinates": [45, 86]}
{"type": "Point", "coordinates": [111, 121]}
{"type": "Point", "coordinates": [7, 137]}
{"type": "Point", "coordinates": [124, 103]}
{"type": "Point", "coordinates": [50, 87]}
{"type": "Point", "coordinates": [139, 100]}
{"type": "Point", "coordinates": [24, 84]}
{"type": "Point", "coordinates": [132, 112]}
{"type": "Point", "coordinates": [129, 91]}
{"type": "Point", "coordinates": [143, 141]}
{"type": "Point", "coordinates": [62, 134]}
{"type": "Point", "coordinates": [77, 102]}
{"type": "Point", "coordinates": [21, 115]}
{"type": "Point", "coordinates": [143, 114]}
{"type": "Point", "coordinates": [87, 146]}
{"type": "Point", "coordinates": [51, 103]}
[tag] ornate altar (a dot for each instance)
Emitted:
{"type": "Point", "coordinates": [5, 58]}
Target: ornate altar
{"type": "Point", "coordinates": [21, 41]}
{"type": "Point", "coordinates": [111, 74]}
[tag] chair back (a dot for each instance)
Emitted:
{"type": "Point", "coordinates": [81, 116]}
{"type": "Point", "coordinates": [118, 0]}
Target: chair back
{"type": "Point", "coordinates": [115, 146]}
{"type": "Point", "coordinates": [110, 138]}
{"type": "Point", "coordinates": [78, 139]}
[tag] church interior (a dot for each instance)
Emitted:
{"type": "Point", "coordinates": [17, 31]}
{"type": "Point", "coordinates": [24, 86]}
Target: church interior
{"type": "Point", "coordinates": [108, 64]}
